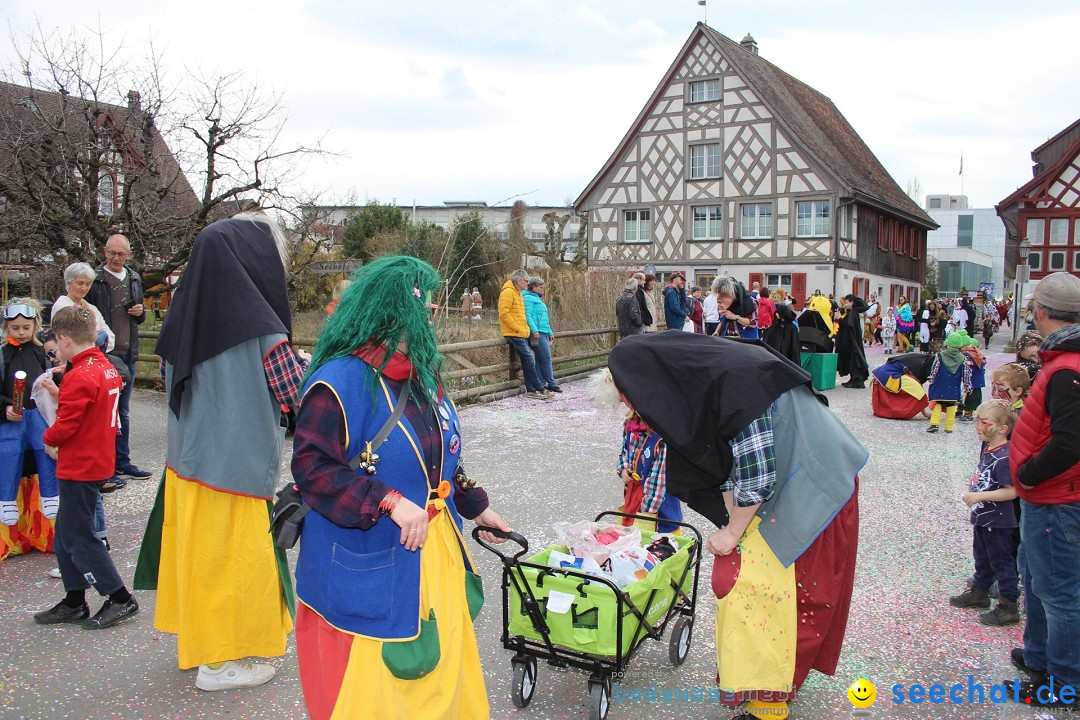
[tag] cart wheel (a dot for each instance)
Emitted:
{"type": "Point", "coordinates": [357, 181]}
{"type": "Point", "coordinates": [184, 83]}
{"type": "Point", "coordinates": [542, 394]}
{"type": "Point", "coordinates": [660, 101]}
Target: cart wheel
{"type": "Point", "coordinates": [680, 640]}
{"type": "Point", "coordinates": [599, 699]}
{"type": "Point", "coordinates": [524, 682]}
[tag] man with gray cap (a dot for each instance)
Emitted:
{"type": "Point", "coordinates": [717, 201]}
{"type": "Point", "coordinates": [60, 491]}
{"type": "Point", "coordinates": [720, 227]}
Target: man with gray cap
{"type": "Point", "coordinates": [1044, 459]}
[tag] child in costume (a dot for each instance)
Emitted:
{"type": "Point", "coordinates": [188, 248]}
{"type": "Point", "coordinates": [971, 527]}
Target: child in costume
{"type": "Point", "coordinates": [950, 381]}
{"type": "Point", "coordinates": [28, 505]}
{"type": "Point", "coordinates": [1011, 383]}
{"type": "Point", "coordinates": [905, 325]}
{"type": "Point", "coordinates": [978, 376]}
{"type": "Point", "coordinates": [643, 470]}
{"type": "Point", "coordinates": [888, 330]}
{"type": "Point", "coordinates": [993, 516]}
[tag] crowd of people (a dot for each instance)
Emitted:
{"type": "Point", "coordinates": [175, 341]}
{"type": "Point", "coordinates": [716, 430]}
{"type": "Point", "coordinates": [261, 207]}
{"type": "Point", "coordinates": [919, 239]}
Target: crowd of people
{"type": "Point", "coordinates": [378, 459]}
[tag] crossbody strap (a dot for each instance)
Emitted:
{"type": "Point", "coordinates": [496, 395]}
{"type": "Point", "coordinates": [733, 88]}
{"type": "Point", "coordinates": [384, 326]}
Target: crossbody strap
{"type": "Point", "coordinates": [380, 438]}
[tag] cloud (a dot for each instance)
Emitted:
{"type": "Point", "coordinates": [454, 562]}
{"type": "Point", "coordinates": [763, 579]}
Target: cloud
{"type": "Point", "coordinates": [455, 86]}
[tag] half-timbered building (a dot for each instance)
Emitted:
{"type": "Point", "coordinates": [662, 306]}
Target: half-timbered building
{"type": "Point", "coordinates": [734, 166]}
{"type": "Point", "coordinates": [1045, 210]}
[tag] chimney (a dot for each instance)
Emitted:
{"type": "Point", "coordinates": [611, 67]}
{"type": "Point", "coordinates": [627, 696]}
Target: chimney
{"type": "Point", "coordinates": [749, 43]}
{"type": "Point", "coordinates": [135, 99]}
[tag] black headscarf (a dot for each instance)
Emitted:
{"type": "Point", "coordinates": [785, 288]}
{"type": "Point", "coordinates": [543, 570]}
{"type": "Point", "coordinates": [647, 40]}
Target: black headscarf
{"type": "Point", "coordinates": [783, 335]}
{"type": "Point", "coordinates": [698, 393]}
{"type": "Point", "coordinates": [232, 290]}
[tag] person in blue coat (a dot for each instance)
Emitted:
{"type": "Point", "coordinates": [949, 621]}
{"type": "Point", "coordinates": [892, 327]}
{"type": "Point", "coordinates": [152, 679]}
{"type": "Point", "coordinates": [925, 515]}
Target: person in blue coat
{"type": "Point", "coordinates": [536, 315]}
{"type": "Point", "coordinates": [675, 311]}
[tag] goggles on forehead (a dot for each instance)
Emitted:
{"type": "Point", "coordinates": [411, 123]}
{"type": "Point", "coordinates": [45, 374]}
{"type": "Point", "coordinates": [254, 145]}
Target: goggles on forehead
{"type": "Point", "coordinates": [14, 310]}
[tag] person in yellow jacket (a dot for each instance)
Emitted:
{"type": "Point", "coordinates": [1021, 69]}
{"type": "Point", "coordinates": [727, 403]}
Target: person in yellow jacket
{"type": "Point", "coordinates": [516, 331]}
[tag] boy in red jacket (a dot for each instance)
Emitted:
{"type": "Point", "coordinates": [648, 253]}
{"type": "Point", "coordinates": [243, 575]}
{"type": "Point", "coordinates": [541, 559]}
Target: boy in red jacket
{"type": "Point", "coordinates": [82, 441]}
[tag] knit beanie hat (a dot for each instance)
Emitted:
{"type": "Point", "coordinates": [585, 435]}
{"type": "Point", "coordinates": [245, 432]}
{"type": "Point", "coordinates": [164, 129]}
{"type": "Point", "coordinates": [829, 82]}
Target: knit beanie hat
{"type": "Point", "coordinates": [957, 339]}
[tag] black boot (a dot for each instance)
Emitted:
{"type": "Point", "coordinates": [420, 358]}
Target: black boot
{"type": "Point", "coordinates": [971, 598]}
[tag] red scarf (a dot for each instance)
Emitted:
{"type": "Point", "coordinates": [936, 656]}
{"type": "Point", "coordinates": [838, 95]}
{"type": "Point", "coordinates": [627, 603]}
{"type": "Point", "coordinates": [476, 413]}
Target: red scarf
{"type": "Point", "coordinates": [398, 369]}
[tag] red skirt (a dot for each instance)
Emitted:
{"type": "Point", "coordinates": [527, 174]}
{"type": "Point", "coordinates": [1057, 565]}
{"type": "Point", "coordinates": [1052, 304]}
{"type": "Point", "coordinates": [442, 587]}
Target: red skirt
{"type": "Point", "coordinates": [895, 406]}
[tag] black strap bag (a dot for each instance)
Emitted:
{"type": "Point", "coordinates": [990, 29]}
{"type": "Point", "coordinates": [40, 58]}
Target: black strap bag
{"type": "Point", "coordinates": [287, 517]}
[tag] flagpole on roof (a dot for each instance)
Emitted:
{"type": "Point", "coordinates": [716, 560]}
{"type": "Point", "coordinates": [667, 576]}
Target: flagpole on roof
{"type": "Point", "coordinates": [961, 172]}
{"type": "Point", "coordinates": [705, 12]}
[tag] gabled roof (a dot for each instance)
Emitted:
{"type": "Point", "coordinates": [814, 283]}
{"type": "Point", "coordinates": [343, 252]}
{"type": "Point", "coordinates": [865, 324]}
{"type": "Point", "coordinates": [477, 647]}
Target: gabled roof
{"type": "Point", "coordinates": [20, 104]}
{"type": "Point", "coordinates": [1037, 187]}
{"type": "Point", "coordinates": [1050, 151]}
{"type": "Point", "coordinates": [808, 116]}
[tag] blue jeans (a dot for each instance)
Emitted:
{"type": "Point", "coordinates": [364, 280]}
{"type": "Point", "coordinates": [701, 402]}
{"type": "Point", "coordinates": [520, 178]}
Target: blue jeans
{"type": "Point", "coordinates": [528, 363]}
{"type": "Point", "coordinates": [1050, 565]}
{"type": "Point", "coordinates": [123, 448]}
{"type": "Point", "coordinates": [544, 370]}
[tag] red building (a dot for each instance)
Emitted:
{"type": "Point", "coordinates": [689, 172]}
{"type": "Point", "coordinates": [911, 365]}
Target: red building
{"type": "Point", "coordinates": [1046, 210]}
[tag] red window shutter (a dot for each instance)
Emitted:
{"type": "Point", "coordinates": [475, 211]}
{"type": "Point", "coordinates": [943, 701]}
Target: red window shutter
{"type": "Point", "coordinates": [855, 286]}
{"type": "Point", "coordinates": [798, 288]}
{"type": "Point", "coordinates": [756, 277]}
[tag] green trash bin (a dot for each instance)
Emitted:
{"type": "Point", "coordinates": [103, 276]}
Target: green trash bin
{"type": "Point", "coordinates": [822, 369]}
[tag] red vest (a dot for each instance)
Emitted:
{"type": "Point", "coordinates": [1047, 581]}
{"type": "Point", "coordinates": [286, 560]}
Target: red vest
{"type": "Point", "coordinates": [1032, 433]}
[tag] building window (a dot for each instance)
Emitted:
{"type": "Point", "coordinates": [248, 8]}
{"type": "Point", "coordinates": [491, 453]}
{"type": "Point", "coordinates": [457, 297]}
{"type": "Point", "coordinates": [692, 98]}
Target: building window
{"type": "Point", "coordinates": [1076, 261]}
{"type": "Point", "coordinates": [637, 226]}
{"type": "Point", "coordinates": [705, 161]}
{"type": "Point", "coordinates": [1057, 261]}
{"type": "Point", "coordinates": [775, 280]}
{"type": "Point", "coordinates": [1059, 231]}
{"type": "Point", "coordinates": [812, 218]}
{"type": "Point", "coordinates": [1036, 231]}
{"type": "Point", "coordinates": [707, 223]}
{"type": "Point", "coordinates": [106, 194]}
{"type": "Point", "coordinates": [705, 91]}
{"type": "Point", "coordinates": [1035, 260]}
{"type": "Point", "coordinates": [704, 278]}
{"type": "Point", "coordinates": [757, 220]}
{"type": "Point", "coordinates": [965, 230]}
{"type": "Point", "coordinates": [935, 203]}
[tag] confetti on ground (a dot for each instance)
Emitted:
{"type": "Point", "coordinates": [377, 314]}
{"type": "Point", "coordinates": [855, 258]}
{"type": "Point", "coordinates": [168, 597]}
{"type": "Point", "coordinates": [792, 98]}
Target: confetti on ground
{"type": "Point", "coordinates": [541, 462]}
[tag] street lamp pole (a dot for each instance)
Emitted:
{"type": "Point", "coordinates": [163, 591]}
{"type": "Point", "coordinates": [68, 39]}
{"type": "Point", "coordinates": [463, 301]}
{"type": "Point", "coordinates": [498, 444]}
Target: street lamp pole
{"type": "Point", "coordinates": [1023, 276]}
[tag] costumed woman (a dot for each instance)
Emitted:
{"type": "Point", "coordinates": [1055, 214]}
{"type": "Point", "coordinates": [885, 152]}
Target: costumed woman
{"type": "Point", "coordinates": [29, 497]}
{"type": "Point", "coordinates": [779, 496]}
{"type": "Point", "coordinates": [905, 325]}
{"type": "Point", "coordinates": [783, 336]}
{"type": "Point", "coordinates": [222, 587]}
{"type": "Point", "coordinates": [388, 591]}
{"type": "Point", "coordinates": [850, 353]}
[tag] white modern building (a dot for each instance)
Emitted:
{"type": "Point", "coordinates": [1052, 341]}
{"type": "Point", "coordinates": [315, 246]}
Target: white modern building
{"type": "Point", "coordinates": [969, 246]}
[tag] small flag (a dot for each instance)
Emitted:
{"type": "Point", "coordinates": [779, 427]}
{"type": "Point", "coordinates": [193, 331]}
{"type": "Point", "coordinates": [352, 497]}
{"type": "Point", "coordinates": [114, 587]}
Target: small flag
{"type": "Point", "coordinates": [961, 164]}
{"type": "Point", "coordinates": [701, 2]}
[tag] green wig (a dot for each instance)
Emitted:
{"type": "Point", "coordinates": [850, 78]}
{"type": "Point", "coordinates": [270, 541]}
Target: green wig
{"type": "Point", "coordinates": [385, 306]}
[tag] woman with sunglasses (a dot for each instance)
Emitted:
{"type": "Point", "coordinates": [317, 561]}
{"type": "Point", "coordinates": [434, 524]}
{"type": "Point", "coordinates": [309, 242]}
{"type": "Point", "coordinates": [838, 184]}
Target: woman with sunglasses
{"type": "Point", "coordinates": [27, 505]}
{"type": "Point", "coordinates": [78, 279]}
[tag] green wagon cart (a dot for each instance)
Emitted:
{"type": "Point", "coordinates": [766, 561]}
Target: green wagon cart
{"type": "Point", "coordinates": [571, 619]}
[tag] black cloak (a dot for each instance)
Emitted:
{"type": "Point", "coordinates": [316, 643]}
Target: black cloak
{"type": "Point", "coordinates": [917, 363]}
{"type": "Point", "coordinates": [783, 335]}
{"type": "Point", "coordinates": [232, 290]}
{"type": "Point", "coordinates": [851, 357]}
{"type": "Point", "coordinates": [698, 392]}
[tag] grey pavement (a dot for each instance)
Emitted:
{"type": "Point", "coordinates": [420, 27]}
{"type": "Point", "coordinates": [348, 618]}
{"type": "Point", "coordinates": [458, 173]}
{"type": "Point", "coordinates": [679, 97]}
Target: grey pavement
{"type": "Point", "coordinates": [544, 462]}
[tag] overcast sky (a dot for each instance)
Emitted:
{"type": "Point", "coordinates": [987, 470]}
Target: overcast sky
{"type": "Point", "coordinates": [495, 99]}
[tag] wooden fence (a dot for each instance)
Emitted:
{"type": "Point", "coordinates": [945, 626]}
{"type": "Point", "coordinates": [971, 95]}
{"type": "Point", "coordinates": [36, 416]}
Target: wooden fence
{"type": "Point", "coordinates": [467, 381]}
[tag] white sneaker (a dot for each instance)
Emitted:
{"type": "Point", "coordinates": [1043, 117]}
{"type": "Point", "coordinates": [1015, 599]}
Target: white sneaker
{"type": "Point", "coordinates": [234, 674]}
{"type": "Point", "coordinates": [55, 573]}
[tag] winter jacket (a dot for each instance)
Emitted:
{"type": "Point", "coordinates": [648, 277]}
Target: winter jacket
{"type": "Point", "coordinates": [1045, 451]}
{"type": "Point", "coordinates": [536, 313]}
{"type": "Point", "coordinates": [86, 419]}
{"type": "Point", "coordinates": [512, 312]}
{"type": "Point", "coordinates": [646, 306]}
{"type": "Point", "coordinates": [100, 296]}
{"type": "Point", "coordinates": [628, 314]}
{"type": "Point", "coordinates": [674, 307]}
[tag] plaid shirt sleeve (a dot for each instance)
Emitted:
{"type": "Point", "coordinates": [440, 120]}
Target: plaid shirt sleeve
{"type": "Point", "coordinates": [625, 452]}
{"type": "Point", "coordinates": [321, 469]}
{"type": "Point", "coordinates": [656, 484]}
{"type": "Point", "coordinates": [284, 373]}
{"type": "Point", "coordinates": [754, 471]}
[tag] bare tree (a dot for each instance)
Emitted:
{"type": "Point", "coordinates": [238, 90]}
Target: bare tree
{"type": "Point", "coordinates": [913, 190]}
{"type": "Point", "coordinates": [76, 165]}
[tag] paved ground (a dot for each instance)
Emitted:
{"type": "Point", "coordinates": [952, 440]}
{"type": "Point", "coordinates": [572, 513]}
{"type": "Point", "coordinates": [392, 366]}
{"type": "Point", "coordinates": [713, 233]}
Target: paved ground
{"type": "Point", "coordinates": [544, 462]}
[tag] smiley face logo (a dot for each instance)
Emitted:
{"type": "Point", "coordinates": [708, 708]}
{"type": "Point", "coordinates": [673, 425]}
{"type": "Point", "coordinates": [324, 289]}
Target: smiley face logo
{"type": "Point", "coordinates": [862, 693]}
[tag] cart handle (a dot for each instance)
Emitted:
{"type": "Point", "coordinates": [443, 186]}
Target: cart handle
{"type": "Point", "coordinates": [506, 535]}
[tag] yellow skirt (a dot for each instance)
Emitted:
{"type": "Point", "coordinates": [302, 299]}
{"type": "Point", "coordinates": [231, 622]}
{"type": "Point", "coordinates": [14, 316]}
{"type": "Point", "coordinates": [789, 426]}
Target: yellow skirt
{"type": "Point", "coordinates": [344, 676]}
{"type": "Point", "coordinates": [219, 587]}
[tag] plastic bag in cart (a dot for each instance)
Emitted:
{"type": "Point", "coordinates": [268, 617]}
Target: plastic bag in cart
{"type": "Point", "coordinates": [598, 540]}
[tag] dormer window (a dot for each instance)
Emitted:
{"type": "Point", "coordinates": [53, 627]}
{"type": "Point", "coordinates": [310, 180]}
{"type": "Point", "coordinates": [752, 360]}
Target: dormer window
{"type": "Point", "coordinates": [705, 91]}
